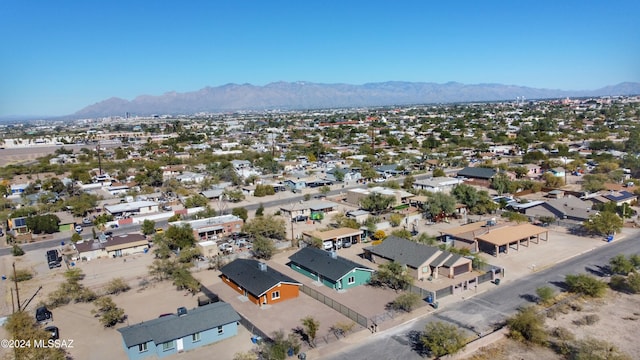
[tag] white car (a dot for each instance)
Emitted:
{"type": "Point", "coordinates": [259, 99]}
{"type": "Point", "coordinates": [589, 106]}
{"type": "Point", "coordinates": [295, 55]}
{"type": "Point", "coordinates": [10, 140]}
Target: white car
{"type": "Point", "coordinates": [78, 229]}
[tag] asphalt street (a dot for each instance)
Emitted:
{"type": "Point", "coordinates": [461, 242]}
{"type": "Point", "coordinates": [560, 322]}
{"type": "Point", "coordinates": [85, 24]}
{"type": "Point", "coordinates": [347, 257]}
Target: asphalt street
{"type": "Point", "coordinates": [481, 313]}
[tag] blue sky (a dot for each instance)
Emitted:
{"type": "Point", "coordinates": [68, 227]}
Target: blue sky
{"type": "Point", "coordinates": [59, 56]}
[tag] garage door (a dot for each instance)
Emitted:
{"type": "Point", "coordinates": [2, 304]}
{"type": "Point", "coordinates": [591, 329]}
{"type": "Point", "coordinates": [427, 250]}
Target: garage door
{"type": "Point", "coordinates": [459, 270]}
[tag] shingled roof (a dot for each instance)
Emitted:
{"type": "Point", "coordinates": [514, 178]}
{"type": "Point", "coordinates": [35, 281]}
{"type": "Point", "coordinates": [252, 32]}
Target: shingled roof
{"type": "Point", "coordinates": [321, 262]}
{"type": "Point", "coordinates": [477, 173]}
{"type": "Point", "coordinates": [168, 328]}
{"type": "Point", "coordinates": [404, 251]}
{"type": "Point", "coordinates": [248, 274]}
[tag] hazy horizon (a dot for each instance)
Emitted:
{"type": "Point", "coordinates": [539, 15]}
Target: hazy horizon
{"type": "Point", "coordinates": [64, 56]}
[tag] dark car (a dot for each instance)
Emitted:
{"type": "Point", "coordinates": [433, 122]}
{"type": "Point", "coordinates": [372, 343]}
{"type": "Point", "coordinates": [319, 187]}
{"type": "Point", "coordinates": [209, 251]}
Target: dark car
{"type": "Point", "coordinates": [53, 330]}
{"type": "Point", "coordinates": [53, 259]}
{"type": "Point", "coordinates": [108, 233]}
{"type": "Point", "coordinates": [43, 314]}
{"type": "Point", "coordinates": [300, 218]}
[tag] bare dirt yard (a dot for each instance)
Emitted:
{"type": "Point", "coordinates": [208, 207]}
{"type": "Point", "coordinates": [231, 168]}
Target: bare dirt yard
{"type": "Point", "coordinates": [614, 318]}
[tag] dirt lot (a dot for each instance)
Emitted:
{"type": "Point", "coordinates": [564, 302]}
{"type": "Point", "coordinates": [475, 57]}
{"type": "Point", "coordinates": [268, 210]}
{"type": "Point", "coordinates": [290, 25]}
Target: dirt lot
{"type": "Point", "coordinates": [618, 314]}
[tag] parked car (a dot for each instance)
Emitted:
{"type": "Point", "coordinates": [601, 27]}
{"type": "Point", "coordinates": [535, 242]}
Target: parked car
{"type": "Point", "coordinates": [78, 229]}
{"type": "Point", "coordinates": [43, 314]}
{"type": "Point", "coordinates": [167, 208]}
{"type": "Point", "coordinates": [53, 259]}
{"type": "Point", "coordinates": [300, 218]}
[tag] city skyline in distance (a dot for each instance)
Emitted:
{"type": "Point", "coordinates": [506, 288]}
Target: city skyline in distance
{"type": "Point", "coordinates": [61, 57]}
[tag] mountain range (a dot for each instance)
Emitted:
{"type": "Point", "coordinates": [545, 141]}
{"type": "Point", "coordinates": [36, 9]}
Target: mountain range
{"type": "Point", "coordinates": [307, 95]}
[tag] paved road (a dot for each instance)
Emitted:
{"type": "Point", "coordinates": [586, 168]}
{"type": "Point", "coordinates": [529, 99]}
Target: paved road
{"type": "Point", "coordinates": [480, 313]}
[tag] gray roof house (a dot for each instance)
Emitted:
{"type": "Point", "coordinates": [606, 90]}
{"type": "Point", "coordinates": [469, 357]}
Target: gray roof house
{"type": "Point", "coordinates": [422, 261]}
{"type": "Point", "coordinates": [477, 173]}
{"type": "Point", "coordinates": [180, 332]}
{"type": "Point", "coordinates": [568, 207]}
{"type": "Point", "coordinates": [330, 269]}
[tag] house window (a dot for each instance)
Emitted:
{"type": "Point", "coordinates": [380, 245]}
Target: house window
{"type": "Point", "coordinates": [425, 269]}
{"type": "Point", "coordinates": [142, 347]}
{"type": "Point", "coordinates": [168, 346]}
{"type": "Point", "coordinates": [275, 295]}
{"type": "Point", "coordinates": [220, 330]}
{"type": "Point", "coordinates": [351, 280]}
{"type": "Point", "coordinates": [195, 337]}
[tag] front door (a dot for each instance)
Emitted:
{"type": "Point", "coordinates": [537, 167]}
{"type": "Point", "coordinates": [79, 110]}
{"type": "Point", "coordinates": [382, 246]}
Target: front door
{"type": "Point", "coordinates": [179, 345]}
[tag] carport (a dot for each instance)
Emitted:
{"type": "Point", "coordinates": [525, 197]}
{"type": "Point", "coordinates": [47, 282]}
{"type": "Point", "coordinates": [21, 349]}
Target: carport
{"type": "Point", "coordinates": [507, 237]}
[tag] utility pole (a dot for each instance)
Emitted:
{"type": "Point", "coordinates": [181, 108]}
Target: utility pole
{"type": "Point", "coordinates": [15, 280]}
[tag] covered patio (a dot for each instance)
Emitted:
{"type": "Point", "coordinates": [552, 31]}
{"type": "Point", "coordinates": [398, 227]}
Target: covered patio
{"type": "Point", "coordinates": [502, 239]}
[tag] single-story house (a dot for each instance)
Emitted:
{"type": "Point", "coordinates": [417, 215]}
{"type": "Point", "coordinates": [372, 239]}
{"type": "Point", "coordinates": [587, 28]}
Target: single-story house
{"type": "Point", "coordinates": [329, 269]}
{"type": "Point", "coordinates": [621, 197]}
{"type": "Point", "coordinates": [358, 215]}
{"type": "Point", "coordinates": [134, 207]}
{"type": "Point", "coordinates": [354, 196]}
{"type": "Point", "coordinates": [175, 333]}
{"type": "Point", "coordinates": [314, 209]}
{"type": "Point", "coordinates": [422, 261]}
{"type": "Point", "coordinates": [478, 173]}
{"type": "Point", "coordinates": [112, 247]}
{"type": "Point", "coordinates": [568, 207]}
{"type": "Point", "coordinates": [212, 193]}
{"type": "Point", "coordinates": [213, 228]}
{"type": "Point", "coordinates": [261, 284]}
{"type": "Point", "coordinates": [437, 184]}
{"type": "Point", "coordinates": [335, 238]}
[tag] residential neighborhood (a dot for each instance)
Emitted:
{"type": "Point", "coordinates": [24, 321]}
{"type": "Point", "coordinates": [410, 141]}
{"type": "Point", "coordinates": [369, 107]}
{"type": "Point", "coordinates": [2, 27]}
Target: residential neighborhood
{"type": "Point", "coordinates": [282, 220]}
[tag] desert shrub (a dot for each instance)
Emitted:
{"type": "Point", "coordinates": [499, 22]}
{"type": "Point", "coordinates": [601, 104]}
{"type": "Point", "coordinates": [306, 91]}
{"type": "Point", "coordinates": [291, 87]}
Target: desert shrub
{"type": "Point", "coordinates": [17, 250]}
{"type": "Point", "coordinates": [527, 325]}
{"type": "Point", "coordinates": [22, 275]}
{"type": "Point", "coordinates": [109, 313]}
{"type": "Point", "coordinates": [585, 285]}
{"type": "Point", "coordinates": [594, 349]}
{"type": "Point", "coordinates": [576, 306]}
{"type": "Point", "coordinates": [117, 286]}
{"type": "Point", "coordinates": [561, 333]}
{"type": "Point", "coordinates": [405, 302]}
{"type": "Point", "coordinates": [587, 320]}
{"type": "Point", "coordinates": [545, 294]}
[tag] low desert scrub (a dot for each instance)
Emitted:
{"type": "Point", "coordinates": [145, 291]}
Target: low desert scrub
{"type": "Point", "coordinates": [587, 320]}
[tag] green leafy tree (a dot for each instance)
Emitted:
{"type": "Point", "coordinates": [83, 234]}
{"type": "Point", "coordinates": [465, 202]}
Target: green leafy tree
{"type": "Point", "coordinates": [585, 285]}
{"type": "Point", "coordinates": [324, 189]}
{"type": "Point", "coordinates": [180, 237]}
{"type": "Point", "coordinates": [440, 204]}
{"type": "Point", "coordinates": [408, 182]}
{"type": "Point", "coordinates": [395, 219]}
{"type": "Point", "coordinates": [263, 248]}
{"type": "Point", "coordinates": [392, 275]}
{"type": "Point", "coordinates": [500, 183]}
{"type": "Point", "coordinates": [376, 202]}
{"type": "Point", "coordinates": [593, 182]}
{"type": "Point", "coordinates": [110, 314]}
{"type": "Point", "coordinates": [267, 226]}
{"type": "Point", "coordinates": [311, 327]}
{"type": "Point", "coordinates": [39, 224]}
{"type": "Point", "coordinates": [75, 237]}
{"type": "Point", "coordinates": [527, 325]}
{"type": "Point", "coordinates": [148, 227]}
{"type": "Point", "coordinates": [22, 325]}
{"type": "Point", "coordinates": [241, 213]}
{"type": "Point", "coordinates": [439, 173]}
{"type": "Point", "coordinates": [260, 210]}
{"type": "Point", "coordinates": [278, 348]}
{"type": "Point", "coordinates": [81, 204]}
{"type": "Point", "coordinates": [234, 195]}
{"type": "Point", "coordinates": [442, 339]}
{"type": "Point", "coordinates": [603, 223]}
{"type": "Point", "coordinates": [196, 201]}
{"type": "Point", "coordinates": [402, 233]}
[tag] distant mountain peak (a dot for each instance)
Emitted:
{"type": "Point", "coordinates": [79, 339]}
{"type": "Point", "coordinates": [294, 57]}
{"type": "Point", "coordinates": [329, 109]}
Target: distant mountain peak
{"type": "Point", "coordinates": [309, 95]}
